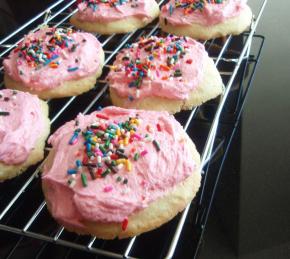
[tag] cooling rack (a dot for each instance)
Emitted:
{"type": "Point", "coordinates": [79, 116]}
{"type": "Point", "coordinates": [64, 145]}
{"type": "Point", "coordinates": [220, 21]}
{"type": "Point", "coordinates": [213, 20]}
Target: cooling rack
{"type": "Point", "coordinates": [22, 208]}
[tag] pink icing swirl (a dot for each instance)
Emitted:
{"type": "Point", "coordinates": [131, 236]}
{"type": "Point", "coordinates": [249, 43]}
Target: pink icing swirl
{"type": "Point", "coordinates": [109, 199]}
{"type": "Point", "coordinates": [175, 68]}
{"type": "Point", "coordinates": [46, 58]}
{"type": "Point", "coordinates": [109, 11]}
{"type": "Point", "coordinates": [20, 127]}
{"type": "Point", "coordinates": [210, 14]}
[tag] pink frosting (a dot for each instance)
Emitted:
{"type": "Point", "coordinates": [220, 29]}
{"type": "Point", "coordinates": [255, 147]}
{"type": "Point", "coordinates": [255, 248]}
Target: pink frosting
{"type": "Point", "coordinates": [163, 78]}
{"type": "Point", "coordinates": [20, 127]}
{"type": "Point", "coordinates": [106, 12]}
{"type": "Point", "coordinates": [107, 199]}
{"type": "Point", "coordinates": [210, 14]}
{"type": "Point", "coordinates": [78, 56]}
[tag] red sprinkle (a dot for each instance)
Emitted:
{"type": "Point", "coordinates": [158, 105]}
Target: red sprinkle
{"type": "Point", "coordinates": [99, 172]}
{"type": "Point", "coordinates": [114, 156]}
{"type": "Point", "coordinates": [189, 61]}
{"type": "Point", "coordinates": [102, 116]}
{"type": "Point", "coordinates": [85, 160]}
{"type": "Point", "coordinates": [158, 127]}
{"type": "Point", "coordinates": [125, 224]}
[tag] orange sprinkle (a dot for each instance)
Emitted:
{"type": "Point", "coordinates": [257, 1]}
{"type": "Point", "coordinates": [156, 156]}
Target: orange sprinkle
{"type": "Point", "coordinates": [164, 68]}
{"type": "Point", "coordinates": [53, 65]}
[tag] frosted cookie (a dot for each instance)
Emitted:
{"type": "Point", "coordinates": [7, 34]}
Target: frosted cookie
{"type": "Point", "coordinates": [112, 16]}
{"type": "Point", "coordinates": [205, 19]}
{"type": "Point", "coordinates": [119, 173]}
{"type": "Point", "coordinates": [24, 127]}
{"type": "Point", "coordinates": [54, 63]}
{"type": "Point", "coordinates": [171, 74]}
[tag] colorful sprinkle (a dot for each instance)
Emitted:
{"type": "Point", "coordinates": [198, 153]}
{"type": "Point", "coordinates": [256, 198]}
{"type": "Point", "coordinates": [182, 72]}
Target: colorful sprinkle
{"type": "Point", "coordinates": [4, 113]}
{"type": "Point", "coordinates": [108, 188]}
{"type": "Point", "coordinates": [156, 145]}
{"type": "Point", "coordinates": [72, 69]}
{"type": "Point", "coordinates": [125, 224]}
{"type": "Point", "coordinates": [84, 180]}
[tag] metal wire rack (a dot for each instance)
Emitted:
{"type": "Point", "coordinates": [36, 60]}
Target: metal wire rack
{"type": "Point", "coordinates": [19, 191]}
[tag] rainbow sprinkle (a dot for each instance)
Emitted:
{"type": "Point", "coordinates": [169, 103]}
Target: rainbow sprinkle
{"type": "Point", "coordinates": [38, 53]}
{"type": "Point", "coordinates": [94, 4]}
{"type": "Point", "coordinates": [104, 151]}
{"type": "Point", "coordinates": [190, 6]}
{"type": "Point", "coordinates": [137, 69]}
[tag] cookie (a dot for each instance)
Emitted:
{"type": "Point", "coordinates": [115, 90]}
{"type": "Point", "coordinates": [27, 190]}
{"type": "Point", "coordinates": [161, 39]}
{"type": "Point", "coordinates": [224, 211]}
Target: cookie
{"type": "Point", "coordinates": [54, 63]}
{"type": "Point", "coordinates": [205, 20]}
{"type": "Point", "coordinates": [119, 173]}
{"type": "Point", "coordinates": [24, 127]}
{"type": "Point", "coordinates": [108, 17]}
{"type": "Point", "coordinates": [171, 74]}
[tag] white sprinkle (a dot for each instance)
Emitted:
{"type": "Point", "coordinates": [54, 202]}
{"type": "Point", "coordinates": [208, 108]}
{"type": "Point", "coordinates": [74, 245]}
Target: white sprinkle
{"type": "Point", "coordinates": [99, 159]}
{"type": "Point", "coordinates": [72, 182]}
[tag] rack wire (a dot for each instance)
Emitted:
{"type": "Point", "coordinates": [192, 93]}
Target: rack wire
{"type": "Point", "coordinates": [63, 110]}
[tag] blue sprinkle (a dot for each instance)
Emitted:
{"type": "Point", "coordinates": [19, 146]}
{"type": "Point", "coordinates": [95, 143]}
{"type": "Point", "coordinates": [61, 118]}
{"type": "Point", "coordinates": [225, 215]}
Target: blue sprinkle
{"type": "Point", "coordinates": [99, 108]}
{"type": "Point", "coordinates": [131, 98]}
{"type": "Point", "coordinates": [170, 9]}
{"type": "Point", "coordinates": [54, 57]}
{"type": "Point", "coordinates": [78, 163]}
{"type": "Point", "coordinates": [71, 69]}
{"type": "Point", "coordinates": [71, 171]}
{"type": "Point", "coordinates": [75, 135]}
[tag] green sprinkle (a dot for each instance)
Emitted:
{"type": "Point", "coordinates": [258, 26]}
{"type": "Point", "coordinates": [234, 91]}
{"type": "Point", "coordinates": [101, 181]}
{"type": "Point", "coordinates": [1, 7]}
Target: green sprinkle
{"type": "Point", "coordinates": [113, 163]}
{"type": "Point", "coordinates": [103, 149]}
{"type": "Point", "coordinates": [106, 172]}
{"type": "Point", "coordinates": [84, 180]}
{"type": "Point", "coordinates": [4, 113]}
{"type": "Point", "coordinates": [107, 143]}
{"type": "Point", "coordinates": [125, 181]}
{"type": "Point", "coordinates": [119, 179]}
{"type": "Point", "coordinates": [136, 156]}
{"type": "Point", "coordinates": [156, 145]}
{"type": "Point", "coordinates": [177, 73]}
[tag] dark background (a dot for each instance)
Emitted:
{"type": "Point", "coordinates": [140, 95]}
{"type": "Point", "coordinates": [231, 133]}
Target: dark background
{"type": "Point", "coordinates": [263, 221]}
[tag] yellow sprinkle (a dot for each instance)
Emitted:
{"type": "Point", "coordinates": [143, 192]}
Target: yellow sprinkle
{"type": "Point", "coordinates": [126, 141]}
{"type": "Point", "coordinates": [121, 161]}
{"type": "Point", "coordinates": [121, 142]}
{"type": "Point", "coordinates": [118, 132]}
{"type": "Point", "coordinates": [128, 165]}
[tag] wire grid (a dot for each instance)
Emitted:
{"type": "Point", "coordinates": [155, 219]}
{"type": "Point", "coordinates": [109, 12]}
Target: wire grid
{"type": "Point", "coordinates": [58, 14]}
